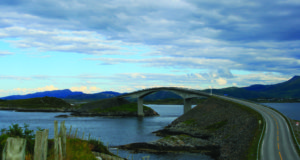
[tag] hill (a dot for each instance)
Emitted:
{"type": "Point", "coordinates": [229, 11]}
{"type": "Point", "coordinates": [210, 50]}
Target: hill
{"type": "Point", "coordinates": [95, 96]}
{"type": "Point", "coordinates": [288, 89]}
{"type": "Point", "coordinates": [57, 94]}
{"type": "Point", "coordinates": [35, 103]}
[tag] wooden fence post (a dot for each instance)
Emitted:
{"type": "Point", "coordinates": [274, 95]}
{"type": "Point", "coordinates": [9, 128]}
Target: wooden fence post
{"type": "Point", "coordinates": [55, 140]}
{"type": "Point", "coordinates": [41, 145]}
{"type": "Point", "coordinates": [60, 149]}
{"type": "Point", "coordinates": [14, 149]}
{"type": "Point", "coordinates": [45, 139]}
{"type": "Point", "coordinates": [63, 135]}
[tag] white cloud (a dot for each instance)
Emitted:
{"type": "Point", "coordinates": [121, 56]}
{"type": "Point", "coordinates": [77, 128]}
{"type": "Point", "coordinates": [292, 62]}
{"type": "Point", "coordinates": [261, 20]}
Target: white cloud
{"type": "Point", "coordinates": [221, 81]}
{"type": "Point", "coordinates": [86, 89]}
{"type": "Point", "coordinates": [22, 91]}
{"type": "Point", "coordinates": [5, 53]}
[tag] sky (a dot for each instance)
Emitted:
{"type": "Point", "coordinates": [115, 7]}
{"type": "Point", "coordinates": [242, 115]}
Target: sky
{"type": "Point", "coordinates": [128, 45]}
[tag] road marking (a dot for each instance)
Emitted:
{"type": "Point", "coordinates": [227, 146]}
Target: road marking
{"type": "Point", "coordinates": [278, 145]}
{"type": "Point", "coordinates": [280, 156]}
{"type": "Point", "coordinates": [277, 138]}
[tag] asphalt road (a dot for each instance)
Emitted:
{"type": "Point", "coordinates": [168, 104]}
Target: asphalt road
{"type": "Point", "coordinates": [277, 143]}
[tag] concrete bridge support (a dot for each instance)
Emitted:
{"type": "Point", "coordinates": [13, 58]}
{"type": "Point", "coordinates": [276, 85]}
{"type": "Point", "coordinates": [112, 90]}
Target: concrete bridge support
{"type": "Point", "coordinates": [140, 107]}
{"type": "Point", "coordinates": [187, 105]}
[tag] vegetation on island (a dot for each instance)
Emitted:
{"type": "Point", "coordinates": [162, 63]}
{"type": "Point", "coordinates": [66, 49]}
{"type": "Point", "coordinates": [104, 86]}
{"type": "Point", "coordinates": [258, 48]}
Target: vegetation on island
{"type": "Point", "coordinates": [112, 107]}
{"type": "Point", "coordinates": [36, 103]}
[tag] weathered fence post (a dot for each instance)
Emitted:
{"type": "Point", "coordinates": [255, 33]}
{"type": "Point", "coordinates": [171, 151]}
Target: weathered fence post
{"type": "Point", "coordinates": [41, 145]}
{"type": "Point", "coordinates": [60, 149]}
{"type": "Point", "coordinates": [14, 149]}
{"type": "Point", "coordinates": [55, 140]}
{"type": "Point", "coordinates": [63, 135]}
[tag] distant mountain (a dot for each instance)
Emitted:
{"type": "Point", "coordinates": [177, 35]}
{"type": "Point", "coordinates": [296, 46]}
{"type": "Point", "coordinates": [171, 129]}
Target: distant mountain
{"type": "Point", "coordinates": [288, 89]}
{"type": "Point", "coordinates": [95, 96]}
{"type": "Point", "coordinates": [57, 93]}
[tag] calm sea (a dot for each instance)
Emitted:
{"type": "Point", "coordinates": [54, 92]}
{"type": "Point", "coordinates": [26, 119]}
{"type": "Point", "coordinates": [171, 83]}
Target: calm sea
{"type": "Point", "coordinates": [111, 130]}
{"type": "Point", "coordinates": [291, 110]}
{"type": "Point", "coordinates": [119, 131]}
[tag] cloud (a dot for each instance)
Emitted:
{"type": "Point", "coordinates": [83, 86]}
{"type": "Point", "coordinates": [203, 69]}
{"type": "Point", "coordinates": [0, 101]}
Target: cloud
{"type": "Point", "coordinates": [33, 90]}
{"type": "Point", "coordinates": [86, 89]}
{"type": "Point", "coordinates": [5, 53]}
{"type": "Point", "coordinates": [217, 37]}
{"type": "Point", "coordinates": [221, 81]}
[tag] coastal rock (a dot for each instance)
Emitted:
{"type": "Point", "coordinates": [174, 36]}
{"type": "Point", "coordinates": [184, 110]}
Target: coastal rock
{"type": "Point", "coordinates": [62, 116]}
{"type": "Point", "coordinates": [181, 143]}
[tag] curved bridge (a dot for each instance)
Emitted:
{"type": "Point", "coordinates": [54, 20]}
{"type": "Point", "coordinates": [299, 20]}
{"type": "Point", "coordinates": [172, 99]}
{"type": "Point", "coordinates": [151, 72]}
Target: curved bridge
{"type": "Point", "coordinates": [186, 94]}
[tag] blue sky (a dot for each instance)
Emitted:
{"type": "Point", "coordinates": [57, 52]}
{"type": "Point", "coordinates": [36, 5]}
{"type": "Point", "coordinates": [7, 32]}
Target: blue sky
{"type": "Point", "coordinates": [127, 45]}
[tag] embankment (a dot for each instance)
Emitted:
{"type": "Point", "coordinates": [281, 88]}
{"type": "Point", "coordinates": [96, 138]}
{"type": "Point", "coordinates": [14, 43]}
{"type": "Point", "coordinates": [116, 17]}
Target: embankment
{"type": "Point", "coordinates": [218, 128]}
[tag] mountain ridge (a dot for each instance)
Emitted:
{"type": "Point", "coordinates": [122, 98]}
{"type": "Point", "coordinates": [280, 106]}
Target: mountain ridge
{"type": "Point", "coordinates": [287, 89]}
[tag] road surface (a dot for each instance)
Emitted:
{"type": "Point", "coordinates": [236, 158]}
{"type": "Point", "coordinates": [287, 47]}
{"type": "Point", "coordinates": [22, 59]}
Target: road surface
{"type": "Point", "coordinates": [277, 143]}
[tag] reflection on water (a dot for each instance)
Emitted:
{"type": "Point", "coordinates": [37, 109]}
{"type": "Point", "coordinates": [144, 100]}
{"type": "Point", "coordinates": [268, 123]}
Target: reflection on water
{"type": "Point", "coordinates": [111, 130]}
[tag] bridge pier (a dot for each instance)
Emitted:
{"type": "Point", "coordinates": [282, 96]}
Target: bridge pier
{"type": "Point", "coordinates": [140, 107]}
{"type": "Point", "coordinates": [187, 105]}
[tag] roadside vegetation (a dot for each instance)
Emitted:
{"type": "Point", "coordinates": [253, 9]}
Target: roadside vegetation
{"type": "Point", "coordinates": [77, 149]}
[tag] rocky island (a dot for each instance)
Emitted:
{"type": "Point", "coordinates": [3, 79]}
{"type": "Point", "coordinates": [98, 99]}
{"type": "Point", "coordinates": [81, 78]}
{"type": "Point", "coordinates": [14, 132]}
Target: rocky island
{"type": "Point", "coordinates": [218, 128]}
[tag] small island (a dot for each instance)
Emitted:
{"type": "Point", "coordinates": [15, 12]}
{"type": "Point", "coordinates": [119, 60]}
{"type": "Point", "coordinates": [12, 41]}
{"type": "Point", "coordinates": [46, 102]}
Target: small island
{"type": "Point", "coordinates": [43, 104]}
{"type": "Point", "coordinates": [112, 107]}
{"type": "Point", "coordinates": [105, 107]}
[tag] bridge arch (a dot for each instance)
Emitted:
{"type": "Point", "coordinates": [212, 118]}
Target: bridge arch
{"type": "Point", "coordinates": [186, 94]}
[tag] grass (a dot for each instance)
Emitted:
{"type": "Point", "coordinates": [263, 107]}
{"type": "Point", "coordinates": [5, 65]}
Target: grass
{"type": "Point", "coordinates": [215, 126]}
{"type": "Point", "coordinates": [34, 103]}
{"type": "Point", "coordinates": [76, 149]}
{"type": "Point", "coordinates": [130, 107]}
{"type": "Point", "coordinates": [189, 122]}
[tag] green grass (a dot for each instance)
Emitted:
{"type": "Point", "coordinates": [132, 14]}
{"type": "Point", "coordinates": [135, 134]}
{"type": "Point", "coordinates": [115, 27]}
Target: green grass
{"type": "Point", "coordinates": [215, 126]}
{"type": "Point", "coordinates": [34, 103]}
{"type": "Point", "coordinates": [189, 122]}
{"type": "Point", "coordinates": [130, 107]}
{"type": "Point", "coordinates": [77, 149]}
